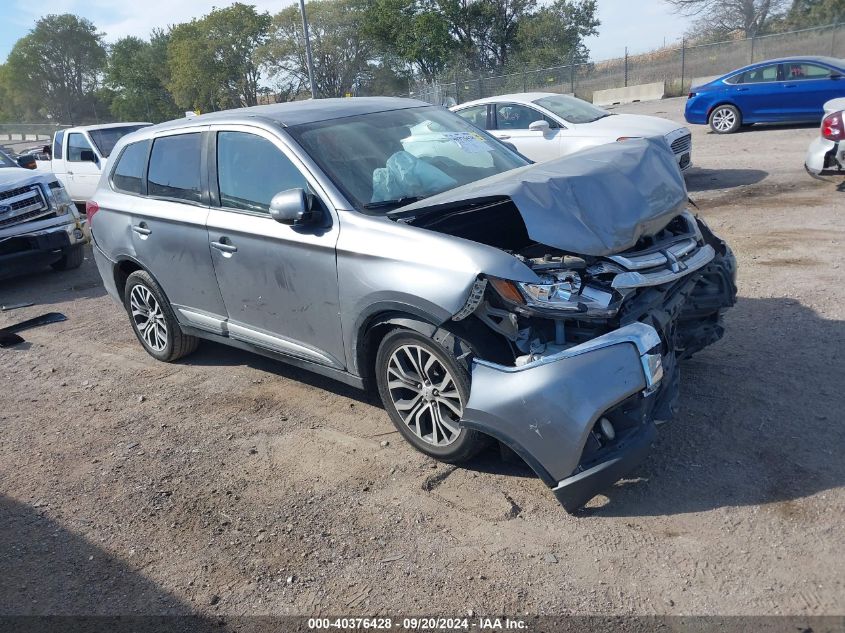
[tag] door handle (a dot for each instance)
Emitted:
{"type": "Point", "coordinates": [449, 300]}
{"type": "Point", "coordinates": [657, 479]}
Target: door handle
{"type": "Point", "coordinates": [69, 173]}
{"type": "Point", "coordinates": [503, 137]}
{"type": "Point", "coordinates": [742, 89]}
{"type": "Point", "coordinates": [141, 229]}
{"type": "Point", "coordinates": [791, 86]}
{"type": "Point", "coordinates": [225, 246]}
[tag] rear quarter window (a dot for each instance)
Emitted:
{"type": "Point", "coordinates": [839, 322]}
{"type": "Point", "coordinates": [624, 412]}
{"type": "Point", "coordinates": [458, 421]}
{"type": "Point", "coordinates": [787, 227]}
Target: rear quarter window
{"type": "Point", "coordinates": [175, 167]}
{"type": "Point", "coordinates": [128, 174]}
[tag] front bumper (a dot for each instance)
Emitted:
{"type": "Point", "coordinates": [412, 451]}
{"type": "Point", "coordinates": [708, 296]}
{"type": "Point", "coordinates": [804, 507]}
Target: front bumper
{"type": "Point", "coordinates": [825, 158]}
{"type": "Point", "coordinates": [22, 251]}
{"type": "Point", "coordinates": [547, 411]}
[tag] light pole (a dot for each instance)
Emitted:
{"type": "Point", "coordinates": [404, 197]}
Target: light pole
{"type": "Point", "coordinates": [308, 58]}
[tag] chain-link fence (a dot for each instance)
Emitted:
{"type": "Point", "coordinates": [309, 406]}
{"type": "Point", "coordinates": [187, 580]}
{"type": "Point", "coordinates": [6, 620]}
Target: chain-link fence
{"type": "Point", "coordinates": [677, 67]}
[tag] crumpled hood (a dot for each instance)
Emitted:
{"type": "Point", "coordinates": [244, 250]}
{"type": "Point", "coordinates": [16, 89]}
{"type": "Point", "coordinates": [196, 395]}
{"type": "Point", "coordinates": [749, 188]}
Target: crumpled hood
{"type": "Point", "coordinates": [598, 202]}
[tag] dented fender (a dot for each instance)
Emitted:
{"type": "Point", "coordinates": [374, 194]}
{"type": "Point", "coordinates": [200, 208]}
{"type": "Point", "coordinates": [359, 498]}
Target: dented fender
{"type": "Point", "coordinates": [546, 409]}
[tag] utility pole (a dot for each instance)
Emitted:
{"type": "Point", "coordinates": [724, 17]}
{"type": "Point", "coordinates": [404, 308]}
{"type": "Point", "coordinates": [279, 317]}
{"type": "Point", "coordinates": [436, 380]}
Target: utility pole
{"type": "Point", "coordinates": [308, 58]}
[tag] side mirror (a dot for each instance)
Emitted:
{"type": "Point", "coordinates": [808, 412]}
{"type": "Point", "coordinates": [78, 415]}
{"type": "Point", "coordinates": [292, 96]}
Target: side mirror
{"type": "Point", "coordinates": [27, 162]}
{"type": "Point", "coordinates": [291, 207]}
{"type": "Point", "coordinates": [539, 126]}
{"type": "Point", "coordinates": [88, 156]}
{"type": "Point", "coordinates": [835, 75]}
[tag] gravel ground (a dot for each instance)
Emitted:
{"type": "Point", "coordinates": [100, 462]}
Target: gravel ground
{"type": "Point", "coordinates": [231, 484]}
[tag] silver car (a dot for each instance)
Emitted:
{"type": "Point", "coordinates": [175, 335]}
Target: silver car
{"type": "Point", "coordinates": [826, 154]}
{"type": "Point", "coordinates": [390, 244]}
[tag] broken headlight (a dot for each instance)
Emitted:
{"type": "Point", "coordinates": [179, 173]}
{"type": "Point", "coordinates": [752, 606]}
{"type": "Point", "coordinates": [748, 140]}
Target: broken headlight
{"type": "Point", "coordinates": [563, 290]}
{"type": "Point", "coordinates": [558, 290]}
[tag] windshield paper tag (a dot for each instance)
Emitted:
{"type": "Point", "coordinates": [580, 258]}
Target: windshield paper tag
{"type": "Point", "coordinates": [469, 142]}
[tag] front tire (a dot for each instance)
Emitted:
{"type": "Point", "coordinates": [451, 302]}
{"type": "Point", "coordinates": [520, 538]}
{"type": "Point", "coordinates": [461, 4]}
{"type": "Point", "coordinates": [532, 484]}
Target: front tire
{"type": "Point", "coordinates": [725, 119]}
{"type": "Point", "coordinates": [72, 257]}
{"type": "Point", "coordinates": [153, 320]}
{"type": "Point", "coordinates": [424, 389]}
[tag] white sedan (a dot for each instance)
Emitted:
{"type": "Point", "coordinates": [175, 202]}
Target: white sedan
{"type": "Point", "coordinates": [546, 125]}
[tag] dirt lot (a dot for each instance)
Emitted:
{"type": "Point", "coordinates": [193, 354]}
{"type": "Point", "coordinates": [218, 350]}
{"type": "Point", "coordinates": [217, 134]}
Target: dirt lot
{"type": "Point", "coordinates": [230, 484]}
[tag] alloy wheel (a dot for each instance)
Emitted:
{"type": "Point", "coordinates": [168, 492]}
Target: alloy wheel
{"type": "Point", "coordinates": [148, 317]}
{"type": "Point", "coordinates": [425, 395]}
{"type": "Point", "coordinates": [724, 119]}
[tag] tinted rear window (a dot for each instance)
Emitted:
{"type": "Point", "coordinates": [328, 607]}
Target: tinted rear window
{"type": "Point", "coordinates": [128, 174]}
{"type": "Point", "coordinates": [175, 167]}
{"type": "Point", "coordinates": [107, 138]}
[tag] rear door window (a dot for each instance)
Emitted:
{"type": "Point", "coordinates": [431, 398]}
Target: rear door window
{"type": "Point", "coordinates": [251, 170]}
{"type": "Point", "coordinates": [76, 144]}
{"type": "Point", "coordinates": [760, 75]}
{"type": "Point", "coordinates": [175, 170]}
{"type": "Point", "coordinates": [128, 175]}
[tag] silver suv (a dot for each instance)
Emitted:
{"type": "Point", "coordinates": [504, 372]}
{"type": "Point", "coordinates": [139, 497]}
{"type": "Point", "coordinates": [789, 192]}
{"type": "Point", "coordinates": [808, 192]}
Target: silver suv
{"type": "Point", "coordinates": [389, 243]}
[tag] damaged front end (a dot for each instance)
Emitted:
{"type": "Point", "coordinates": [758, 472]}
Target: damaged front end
{"type": "Point", "coordinates": [596, 347]}
{"type": "Point", "coordinates": [595, 339]}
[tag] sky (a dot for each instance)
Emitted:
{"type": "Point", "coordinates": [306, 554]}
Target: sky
{"type": "Point", "coordinates": [641, 25]}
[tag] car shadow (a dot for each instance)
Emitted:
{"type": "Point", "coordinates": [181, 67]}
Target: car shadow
{"type": "Point", "coordinates": [699, 179]}
{"type": "Point", "coordinates": [763, 127]}
{"type": "Point", "coordinates": [758, 422]}
{"type": "Point", "coordinates": [54, 579]}
{"type": "Point", "coordinates": [45, 285]}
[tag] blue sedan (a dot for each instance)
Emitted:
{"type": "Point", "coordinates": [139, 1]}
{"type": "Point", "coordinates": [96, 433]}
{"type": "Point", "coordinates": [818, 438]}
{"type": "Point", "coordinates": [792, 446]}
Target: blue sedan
{"type": "Point", "coordinates": [789, 90]}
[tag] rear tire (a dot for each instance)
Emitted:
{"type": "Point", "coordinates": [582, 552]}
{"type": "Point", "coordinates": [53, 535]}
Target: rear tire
{"type": "Point", "coordinates": [424, 388]}
{"type": "Point", "coordinates": [725, 119]}
{"type": "Point", "coordinates": [71, 258]}
{"type": "Point", "coordinates": [153, 320]}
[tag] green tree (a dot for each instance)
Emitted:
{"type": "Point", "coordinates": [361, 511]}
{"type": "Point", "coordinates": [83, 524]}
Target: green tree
{"type": "Point", "coordinates": [809, 13]}
{"type": "Point", "coordinates": [213, 61]}
{"type": "Point", "coordinates": [236, 33]}
{"type": "Point", "coordinates": [137, 72]}
{"type": "Point", "coordinates": [413, 33]}
{"type": "Point", "coordinates": [342, 53]}
{"type": "Point", "coordinates": [58, 66]}
{"type": "Point", "coordinates": [555, 34]}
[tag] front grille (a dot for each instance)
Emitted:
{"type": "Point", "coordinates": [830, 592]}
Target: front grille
{"type": "Point", "coordinates": [25, 217]}
{"type": "Point", "coordinates": [683, 144]}
{"type": "Point", "coordinates": [22, 204]}
{"type": "Point", "coordinates": [12, 193]}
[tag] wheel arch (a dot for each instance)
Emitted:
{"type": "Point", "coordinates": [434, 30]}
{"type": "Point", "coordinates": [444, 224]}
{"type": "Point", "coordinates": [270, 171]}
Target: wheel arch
{"type": "Point", "coordinates": [375, 325]}
{"type": "Point", "coordinates": [469, 334]}
{"type": "Point", "coordinates": [124, 267]}
{"type": "Point", "coordinates": [725, 102]}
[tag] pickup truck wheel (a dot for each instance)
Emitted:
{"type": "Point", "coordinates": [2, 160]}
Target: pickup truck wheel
{"type": "Point", "coordinates": [424, 389]}
{"type": "Point", "coordinates": [71, 258]}
{"type": "Point", "coordinates": [153, 320]}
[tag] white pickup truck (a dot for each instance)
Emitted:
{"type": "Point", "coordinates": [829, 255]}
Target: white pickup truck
{"type": "Point", "coordinates": [80, 153]}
